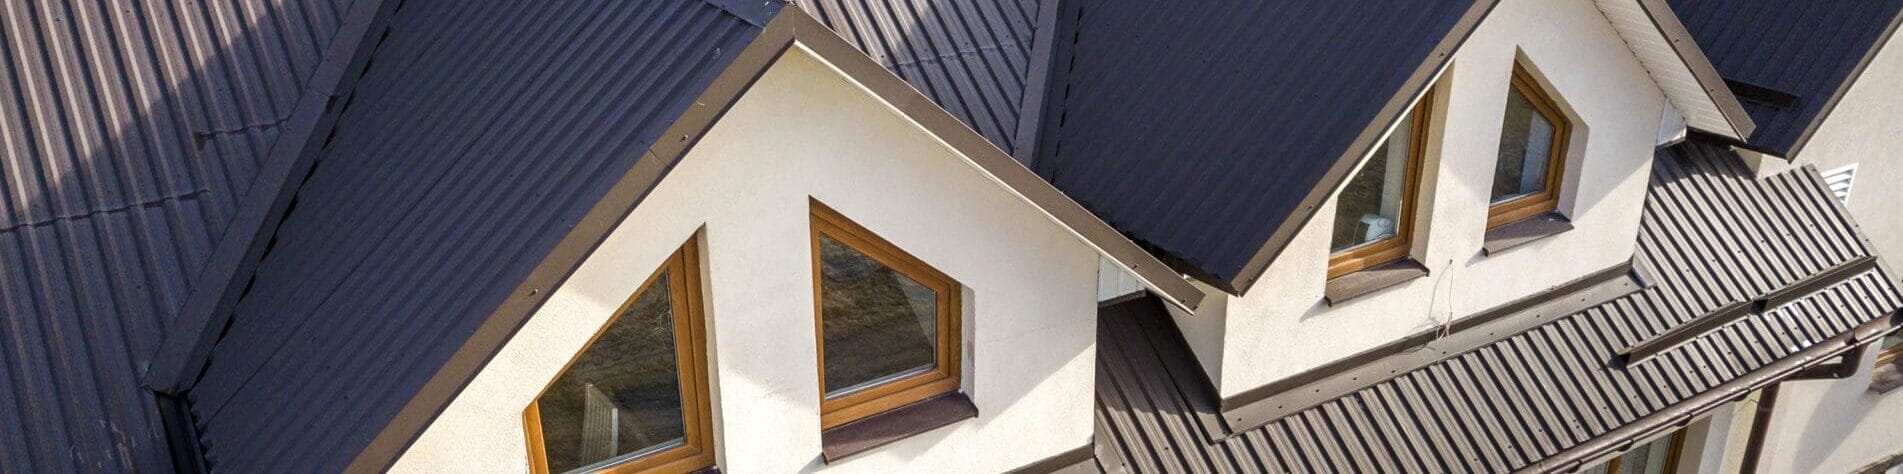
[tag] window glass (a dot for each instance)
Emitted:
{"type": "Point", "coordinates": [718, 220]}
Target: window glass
{"type": "Point", "coordinates": [622, 398]}
{"type": "Point", "coordinates": [1526, 150]}
{"type": "Point", "coordinates": [1370, 206]}
{"type": "Point", "coordinates": [879, 324]}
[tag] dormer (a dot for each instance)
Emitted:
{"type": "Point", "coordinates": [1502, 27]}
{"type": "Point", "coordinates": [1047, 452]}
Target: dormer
{"type": "Point", "coordinates": [1365, 182]}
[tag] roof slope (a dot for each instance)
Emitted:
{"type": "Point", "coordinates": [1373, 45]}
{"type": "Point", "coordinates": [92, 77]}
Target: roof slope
{"type": "Point", "coordinates": [1794, 59]}
{"type": "Point", "coordinates": [1199, 128]}
{"type": "Point", "coordinates": [129, 133]}
{"type": "Point", "coordinates": [971, 57]}
{"type": "Point", "coordinates": [1714, 236]}
{"type": "Point", "coordinates": [475, 140]}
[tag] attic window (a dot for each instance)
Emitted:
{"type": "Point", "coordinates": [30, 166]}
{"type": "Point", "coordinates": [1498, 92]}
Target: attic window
{"type": "Point", "coordinates": [1374, 214]}
{"type": "Point", "coordinates": [1526, 179]}
{"type": "Point", "coordinates": [635, 400]}
{"type": "Point", "coordinates": [888, 323]}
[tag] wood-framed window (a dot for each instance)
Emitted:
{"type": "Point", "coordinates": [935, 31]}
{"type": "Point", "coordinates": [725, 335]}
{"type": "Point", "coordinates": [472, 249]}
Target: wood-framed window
{"type": "Point", "coordinates": [887, 322]}
{"type": "Point", "coordinates": [1533, 144]}
{"type": "Point", "coordinates": [635, 399]}
{"type": "Point", "coordinates": [1657, 457]}
{"type": "Point", "coordinates": [1892, 349]}
{"type": "Point", "coordinates": [1374, 213]}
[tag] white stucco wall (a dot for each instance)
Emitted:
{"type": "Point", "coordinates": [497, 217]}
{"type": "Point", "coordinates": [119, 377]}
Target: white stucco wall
{"type": "Point", "coordinates": [804, 130]}
{"type": "Point", "coordinates": [1828, 426]}
{"type": "Point", "coordinates": [1284, 327]}
{"type": "Point", "coordinates": [1866, 128]}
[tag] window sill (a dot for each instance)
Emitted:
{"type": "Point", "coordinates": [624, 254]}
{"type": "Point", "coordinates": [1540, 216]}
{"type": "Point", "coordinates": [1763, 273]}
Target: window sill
{"type": "Point", "coordinates": [899, 423]}
{"type": "Point", "coordinates": [1526, 231]}
{"type": "Point", "coordinates": [1377, 278]}
{"type": "Point", "coordinates": [1887, 377]}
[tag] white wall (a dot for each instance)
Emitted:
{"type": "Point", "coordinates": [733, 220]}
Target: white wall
{"type": "Point", "coordinates": [1867, 128]}
{"type": "Point", "coordinates": [1283, 327]}
{"type": "Point", "coordinates": [804, 130]}
{"type": "Point", "coordinates": [1833, 426]}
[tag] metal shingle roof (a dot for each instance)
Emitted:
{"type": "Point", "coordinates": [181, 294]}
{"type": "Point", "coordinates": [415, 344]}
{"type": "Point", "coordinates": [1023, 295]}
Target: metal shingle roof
{"type": "Point", "coordinates": [1714, 235]}
{"type": "Point", "coordinates": [1805, 53]}
{"type": "Point", "coordinates": [129, 133]}
{"type": "Point", "coordinates": [1202, 128]}
{"type": "Point", "coordinates": [971, 57]}
{"type": "Point", "coordinates": [477, 137]}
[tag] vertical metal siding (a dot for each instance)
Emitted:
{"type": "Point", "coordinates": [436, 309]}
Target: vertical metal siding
{"type": "Point", "coordinates": [128, 132]}
{"type": "Point", "coordinates": [1715, 236]}
{"type": "Point", "coordinates": [1809, 50]}
{"type": "Point", "coordinates": [477, 136]}
{"type": "Point", "coordinates": [970, 56]}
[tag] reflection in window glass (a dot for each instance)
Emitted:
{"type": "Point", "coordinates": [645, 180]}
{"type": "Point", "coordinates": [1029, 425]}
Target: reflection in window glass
{"type": "Point", "coordinates": [1526, 150]}
{"type": "Point", "coordinates": [1370, 206]}
{"type": "Point", "coordinates": [879, 325]}
{"type": "Point", "coordinates": [622, 398]}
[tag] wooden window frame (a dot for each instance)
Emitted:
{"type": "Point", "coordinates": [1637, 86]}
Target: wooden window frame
{"type": "Point", "coordinates": [1393, 248]}
{"type": "Point", "coordinates": [1890, 354]}
{"type": "Point", "coordinates": [1671, 455]}
{"type": "Point", "coordinates": [942, 379]}
{"type": "Point", "coordinates": [696, 451]}
{"type": "Point", "coordinates": [1547, 200]}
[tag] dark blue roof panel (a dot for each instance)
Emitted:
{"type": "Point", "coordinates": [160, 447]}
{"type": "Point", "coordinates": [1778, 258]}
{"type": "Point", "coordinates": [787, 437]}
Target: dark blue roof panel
{"type": "Point", "coordinates": [1200, 128]}
{"type": "Point", "coordinates": [478, 135]}
{"type": "Point", "coordinates": [1788, 61]}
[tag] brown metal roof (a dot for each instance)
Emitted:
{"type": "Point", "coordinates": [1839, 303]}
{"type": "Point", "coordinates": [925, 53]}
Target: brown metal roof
{"type": "Point", "coordinates": [1553, 396]}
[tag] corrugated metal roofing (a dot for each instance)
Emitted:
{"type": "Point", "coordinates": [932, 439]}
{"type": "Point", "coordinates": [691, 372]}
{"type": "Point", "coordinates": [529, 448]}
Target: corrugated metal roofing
{"type": "Point", "coordinates": [1713, 234]}
{"type": "Point", "coordinates": [972, 57]}
{"type": "Point", "coordinates": [1805, 53]}
{"type": "Point", "coordinates": [129, 131]}
{"type": "Point", "coordinates": [1197, 128]}
{"type": "Point", "coordinates": [477, 136]}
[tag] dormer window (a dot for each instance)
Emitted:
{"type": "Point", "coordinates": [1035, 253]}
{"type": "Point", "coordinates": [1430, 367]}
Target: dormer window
{"type": "Point", "coordinates": [635, 400]}
{"type": "Point", "coordinates": [888, 323]}
{"type": "Point", "coordinates": [1374, 212]}
{"type": "Point", "coordinates": [1526, 180]}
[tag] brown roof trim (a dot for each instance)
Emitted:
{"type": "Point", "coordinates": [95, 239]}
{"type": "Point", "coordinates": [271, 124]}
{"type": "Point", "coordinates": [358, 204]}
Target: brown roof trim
{"type": "Point", "coordinates": [1844, 89]}
{"type": "Point", "coordinates": [1415, 86]}
{"type": "Point", "coordinates": [1685, 412]}
{"type": "Point", "coordinates": [791, 27]}
{"type": "Point", "coordinates": [215, 290]}
{"type": "Point", "coordinates": [815, 37]}
{"type": "Point", "coordinates": [1700, 66]}
{"type": "Point", "coordinates": [1265, 404]}
{"type": "Point", "coordinates": [1037, 83]}
{"type": "Point", "coordinates": [1077, 459]}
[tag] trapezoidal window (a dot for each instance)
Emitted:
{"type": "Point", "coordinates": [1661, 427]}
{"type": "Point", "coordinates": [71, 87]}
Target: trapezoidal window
{"type": "Point", "coordinates": [1374, 214]}
{"type": "Point", "coordinates": [1526, 179]}
{"type": "Point", "coordinates": [635, 399]}
{"type": "Point", "coordinates": [888, 323]}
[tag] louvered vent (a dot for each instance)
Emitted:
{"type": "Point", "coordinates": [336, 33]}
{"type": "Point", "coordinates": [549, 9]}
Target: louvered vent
{"type": "Point", "coordinates": [1839, 181]}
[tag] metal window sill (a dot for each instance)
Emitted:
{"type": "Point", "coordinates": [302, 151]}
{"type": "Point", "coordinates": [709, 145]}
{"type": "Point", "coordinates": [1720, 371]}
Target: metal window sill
{"type": "Point", "coordinates": [882, 429]}
{"type": "Point", "coordinates": [1373, 279]}
{"type": "Point", "coordinates": [1526, 231]}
